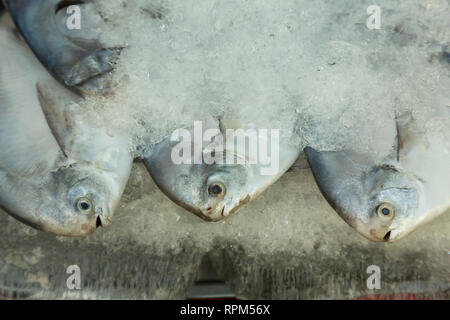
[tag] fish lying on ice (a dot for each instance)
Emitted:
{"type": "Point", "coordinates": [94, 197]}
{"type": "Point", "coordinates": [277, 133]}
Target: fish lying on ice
{"type": "Point", "coordinates": [386, 199]}
{"type": "Point", "coordinates": [207, 184]}
{"type": "Point", "coordinates": [73, 55]}
{"type": "Point", "coordinates": [67, 179]}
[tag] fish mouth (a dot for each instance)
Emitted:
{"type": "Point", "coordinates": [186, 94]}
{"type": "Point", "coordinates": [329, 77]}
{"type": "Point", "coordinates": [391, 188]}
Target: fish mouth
{"type": "Point", "coordinates": [390, 236]}
{"type": "Point", "coordinates": [393, 235]}
{"type": "Point", "coordinates": [222, 212]}
{"type": "Point", "coordinates": [372, 232]}
{"type": "Point", "coordinates": [211, 215]}
{"type": "Point", "coordinates": [98, 222]}
{"type": "Point", "coordinates": [102, 221]}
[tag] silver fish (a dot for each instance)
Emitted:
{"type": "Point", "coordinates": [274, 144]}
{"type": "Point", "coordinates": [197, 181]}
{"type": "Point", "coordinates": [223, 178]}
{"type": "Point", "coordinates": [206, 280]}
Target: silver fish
{"type": "Point", "coordinates": [65, 179]}
{"type": "Point", "coordinates": [386, 199]}
{"type": "Point", "coordinates": [73, 56]}
{"type": "Point", "coordinates": [213, 190]}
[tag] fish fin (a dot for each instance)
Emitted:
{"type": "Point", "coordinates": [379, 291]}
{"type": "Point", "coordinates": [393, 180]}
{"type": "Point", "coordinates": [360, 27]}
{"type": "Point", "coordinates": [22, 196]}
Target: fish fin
{"type": "Point", "coordinates": [27, 145]}
{"type": "Point", "coordinates": [73, 56]}
{"type": "Point", "coordinates": [423, 154]}
{"type": "Point", "coordinates": [54, 99]}
{"type": "Point", "coordinates": [409, 135]}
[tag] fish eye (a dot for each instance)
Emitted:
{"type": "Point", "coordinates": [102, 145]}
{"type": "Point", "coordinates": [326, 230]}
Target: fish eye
{"type": "Point", "coordinates": [385, 210]}
{"type": "Point", "coordinates": [216, 189]}
{"type": "Point", "coordinates": [84, 205]}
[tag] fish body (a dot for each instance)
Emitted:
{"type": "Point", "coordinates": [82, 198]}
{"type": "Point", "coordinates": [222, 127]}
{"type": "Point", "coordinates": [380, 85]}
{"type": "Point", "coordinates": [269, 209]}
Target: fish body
{"type": "Point", "coordinates": [222, 177]}
{"type": "Point", "coordinates": [62, 177]}
{"type": "Point", "coordinates": [387, 196]}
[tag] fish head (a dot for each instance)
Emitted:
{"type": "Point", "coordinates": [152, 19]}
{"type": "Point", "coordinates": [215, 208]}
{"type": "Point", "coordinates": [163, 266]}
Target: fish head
{"type": "Point", "coordinates": [211, 191]}
{"type": "Point", "coordinates": [380, 202]}
{"type": "Point", "coordinates": [224, 190]}
{"type": "Point", "coordinates": [83, 199]}
{"type": "Point", "coordinates": [391, 207]}
{"type": "Point", "coordinates": [205, 182]}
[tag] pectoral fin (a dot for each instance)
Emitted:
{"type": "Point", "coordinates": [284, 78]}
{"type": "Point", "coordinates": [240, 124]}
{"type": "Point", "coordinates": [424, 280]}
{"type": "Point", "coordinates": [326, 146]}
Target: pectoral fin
{"type": "Point", "coordinates": [54, 101]}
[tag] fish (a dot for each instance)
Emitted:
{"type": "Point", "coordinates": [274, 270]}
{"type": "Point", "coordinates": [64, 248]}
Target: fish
{"type": "Point", "coordinates": [72, 55]}
{"type": "Point", "coordinates": [56, 175]}
{"type": "Point", "coordinates": [207, 185]}
{"type": "Point", "coordinates": [388, 196]}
